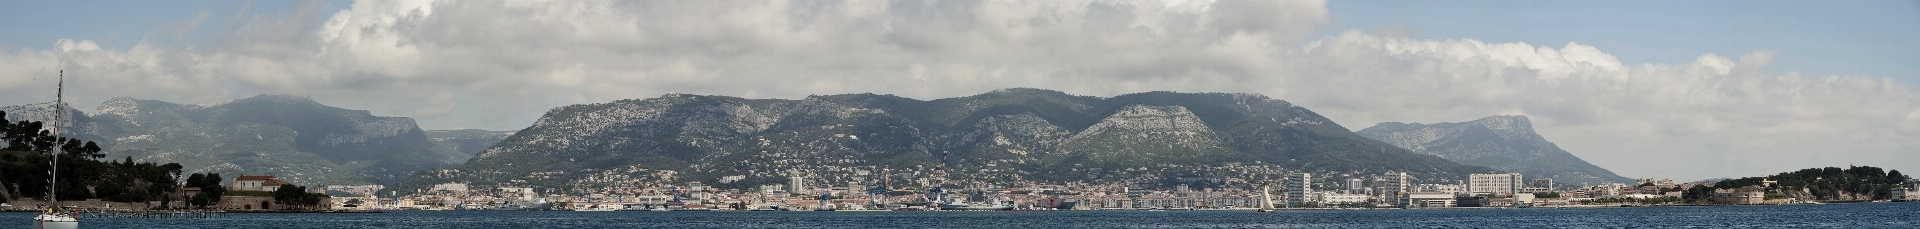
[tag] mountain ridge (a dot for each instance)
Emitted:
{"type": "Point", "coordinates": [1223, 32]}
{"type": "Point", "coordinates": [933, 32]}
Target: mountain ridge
{"type": "Point", "coordinates": [1505, 142]}
{"type": "Point", "coordinates": [1030, 134]}
{"type": "Point", "coordinates": [293, 137]}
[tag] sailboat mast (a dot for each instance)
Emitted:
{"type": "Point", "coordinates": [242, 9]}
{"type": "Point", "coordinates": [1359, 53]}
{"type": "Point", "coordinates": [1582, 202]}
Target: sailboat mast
{"type": "Point", "coordinates": [53, 176]}
{"type": "Point", "coordinates": [886, 174]}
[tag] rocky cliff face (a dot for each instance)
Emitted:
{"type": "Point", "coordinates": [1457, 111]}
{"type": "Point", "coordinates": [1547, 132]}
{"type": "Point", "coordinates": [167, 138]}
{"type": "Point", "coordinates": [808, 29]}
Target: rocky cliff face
{"type": "Point", "coordinates": [1018, 135]}
{"type": "Point", "coordinates": [1500, 142]}
{"type": "Point", "coordinates": [292, 137]}
{"type": "Point", "coordinates": [1023, 134]}
{"type": "Point", "coordinates": [1137, 134]}
{"type": "Point", "coordinates": [75, 124]}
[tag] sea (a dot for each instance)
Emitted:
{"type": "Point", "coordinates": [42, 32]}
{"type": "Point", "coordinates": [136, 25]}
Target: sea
{"type": "Point", "coordinates": [1855, 215]}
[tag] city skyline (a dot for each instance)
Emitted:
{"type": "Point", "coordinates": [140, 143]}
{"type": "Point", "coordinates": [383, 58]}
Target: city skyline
{"type": "Point", "coordinates": [1646, 89]}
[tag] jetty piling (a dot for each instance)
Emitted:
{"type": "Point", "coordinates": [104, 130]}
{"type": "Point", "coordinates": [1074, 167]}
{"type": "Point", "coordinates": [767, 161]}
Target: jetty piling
{"type": "Point", "coordinates": [146, 214]}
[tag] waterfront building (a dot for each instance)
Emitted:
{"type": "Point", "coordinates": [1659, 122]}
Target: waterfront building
{"type": "Point", "coordinates": [652, 199]}
{"type": "Point", "coordinates": [1356, 186]}
{"type": "Point", "coordinates": [265, 183]}
{"type": "Point", "coordinates": [1908, 191]}
{"type": "Point", "coordinates": [799, 184]}
{"type": "Point", "coordinates": [1391, 185]}
{"type": "Point", "coordinates": [1472, 201]}
{"type": "Point", "coordinates": [1427, 200]}
{"type": "Point", "coordinates": [769, 190]}
{"type": "Point", "coordinates": [1299, 189]}
{"type": "Point", "coordinates": [1446, 188]}
{"type": "Point", "coordinates": [1743, 195]}
{"type": "Point", "coordinates": [1342, 198]}
{"type": "Point", "coordinates": [1543, 183]}
{"type": "Point", "coordinates": [1532, 191]}
{"type": "Point", "coordinates": [1497, 184]}
{"type": "Point", "coordinates": [1237, 201]}
{"type": "Point", "coordinates": [1523, 200]}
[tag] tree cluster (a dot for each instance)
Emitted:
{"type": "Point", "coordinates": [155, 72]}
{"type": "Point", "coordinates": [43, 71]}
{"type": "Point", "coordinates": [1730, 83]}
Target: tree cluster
{"type": "Point", "coordinates": [1699, 193]}
{"type": "Point", "coordinates": [32, 137]}
{"type": "Point", "coordinates": [210, 189]}
{"type": "Point", "coordinates": [24, 164]}
{"type": "Point", "coordinates": [1830, 183]}
{"type": "Point", "coordinates": [293, 195]}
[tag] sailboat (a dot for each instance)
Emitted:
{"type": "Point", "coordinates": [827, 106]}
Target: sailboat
{"type": "Point", "coordinates": [54, 217]}
{"type": "Point", "coordinates": [965, 205]}
{"type": "Point", "coordinates": [1266, 201]}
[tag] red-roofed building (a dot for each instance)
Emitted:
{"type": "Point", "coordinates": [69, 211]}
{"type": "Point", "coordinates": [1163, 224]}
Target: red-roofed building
{"type": "Point", "coordinates": [257, 183]}
{"type": "Point", "coordinates": [190, 191]}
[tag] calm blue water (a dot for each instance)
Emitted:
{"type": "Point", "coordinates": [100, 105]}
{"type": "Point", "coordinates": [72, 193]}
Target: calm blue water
{"type": "Point", "coordinates": [1865, 215]}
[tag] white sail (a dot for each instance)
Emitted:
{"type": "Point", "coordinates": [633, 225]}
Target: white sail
{"type": "Point", "coordinates": [1266, 200]}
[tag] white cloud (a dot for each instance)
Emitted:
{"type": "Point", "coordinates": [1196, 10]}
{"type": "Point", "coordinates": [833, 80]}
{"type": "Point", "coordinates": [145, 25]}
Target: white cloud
{"type": "Point", "coordinates": [1656, 120]}
{"type": "Point", "coordinates": [499, 64]}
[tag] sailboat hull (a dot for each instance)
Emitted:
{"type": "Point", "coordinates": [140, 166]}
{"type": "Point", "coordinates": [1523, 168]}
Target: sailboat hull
{"type": "Point", "coordinates": [56, 224]}
{"type": "Point", "coordinates": [55, 221]}
{"type": "Point", "coordinates": [975, 207]}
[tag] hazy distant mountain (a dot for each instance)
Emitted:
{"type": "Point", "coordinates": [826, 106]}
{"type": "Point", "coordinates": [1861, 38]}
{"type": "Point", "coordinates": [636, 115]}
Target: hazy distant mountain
{"type": "Point", "coordinates": [468, 142]}
{"type": "Point", "coordinates": [1506, 143]}
{"type": "Point", "coordinates": [77, 123]}
{"type": "Point", "coordinates": [1015, 133]}
{"type": "Point", "coordinates": [292, 137]}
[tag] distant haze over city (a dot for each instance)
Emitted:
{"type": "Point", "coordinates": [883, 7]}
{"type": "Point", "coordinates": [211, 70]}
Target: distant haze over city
{"type": "Point", "coordinates": [1686, 91]}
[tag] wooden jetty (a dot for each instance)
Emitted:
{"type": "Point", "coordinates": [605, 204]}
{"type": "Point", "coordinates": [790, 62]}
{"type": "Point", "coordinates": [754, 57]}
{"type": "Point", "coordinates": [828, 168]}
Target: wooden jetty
{"type": "Point", "coordinates": [146, 214]}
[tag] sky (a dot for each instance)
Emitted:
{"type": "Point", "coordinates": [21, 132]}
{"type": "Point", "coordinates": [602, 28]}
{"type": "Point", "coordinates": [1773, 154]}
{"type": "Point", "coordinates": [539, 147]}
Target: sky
{"type": "Point", "coordinates": [1649, 89]}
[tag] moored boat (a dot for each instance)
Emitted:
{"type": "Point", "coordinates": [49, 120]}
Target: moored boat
{"type": "Point", "coordinates": [55, 220]}
{"type": "Point", "coordinates": [768, 208]}
{"type": "Point", "coordinates": [54, 217]}
{"type": "Point", "coordinates": [957, 205]}
{"type": "Point", "coordinates": [600, 208]}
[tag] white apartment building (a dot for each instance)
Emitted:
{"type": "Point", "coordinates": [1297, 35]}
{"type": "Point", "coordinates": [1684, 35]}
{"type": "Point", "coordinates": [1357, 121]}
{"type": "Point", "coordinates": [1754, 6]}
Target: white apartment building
{"type": "Point", "coordinates": [1546, 183]}
{"type": "Point", "coordinates": [1908, 191]}
{"type": "Point", "coordinates": [1426, 200]}
{"type": "Point", "coordinates": [1498, 184]}
{"type": "Point", "coordinates": [799, 185]}
{"type": "Point", "coordinates": [1338, 198]}
{"type": "Point", "coordinates": [1389, 186]}
{"type": "Point", "coordinates": [1356, 186]}
{"type": "Point", "coordinates": [1299, 189]}
{"type": "Point", "coordinates": [1446, 188]}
